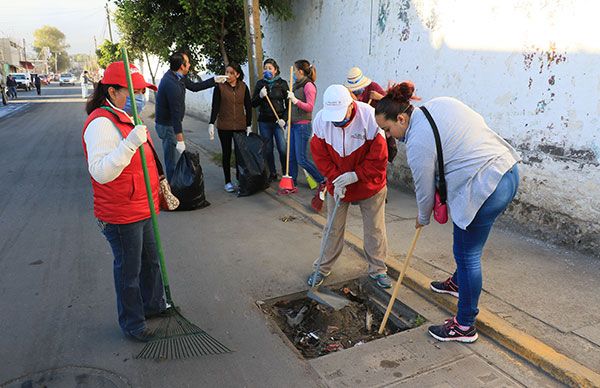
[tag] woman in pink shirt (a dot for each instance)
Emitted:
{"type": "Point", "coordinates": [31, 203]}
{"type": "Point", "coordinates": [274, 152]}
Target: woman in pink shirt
{"type": "Point", "coordinates": [303, 96]}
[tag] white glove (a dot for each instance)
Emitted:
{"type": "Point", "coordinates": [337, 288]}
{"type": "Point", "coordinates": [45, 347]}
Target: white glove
{"type": "Point", "coordinates": [211, 131]}
{"type": "Point", "coordinates": [220, 79]}
{"type": "Point", "coordinates": [339, 192]}
{"type": "Point", "coordinates": [263, 92]}
{"type": "Point", "coordinates": [345, 179]}
{"type": "Point", "coordinates": [137, 136]}
{"type": "Point", "coordinates": [248, 131]}
{"type": "Point", "coordinates": [180, 147]}
{"type": "Point", "coordinates": [292, 97]}
{"type": "Point", "coordinates": [281, 123]}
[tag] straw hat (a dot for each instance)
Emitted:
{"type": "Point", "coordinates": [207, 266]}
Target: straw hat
{"type": "Point", "coordinates": [356, 80]}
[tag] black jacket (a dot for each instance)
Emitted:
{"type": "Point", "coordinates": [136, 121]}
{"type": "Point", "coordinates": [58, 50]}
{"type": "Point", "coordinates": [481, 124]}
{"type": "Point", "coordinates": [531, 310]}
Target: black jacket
{"type": "Point", "coordinates": [11, 82]}
{"type": "Point", "coordinates": [277, 93]}
{"type": "Point", "coordinates": [170, 98]}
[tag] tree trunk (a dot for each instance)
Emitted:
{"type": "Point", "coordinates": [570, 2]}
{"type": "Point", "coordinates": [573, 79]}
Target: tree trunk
{"type": "Point", "coordinates": [222, 42]}
{"type": "Point", "coordinates": [152, 74]}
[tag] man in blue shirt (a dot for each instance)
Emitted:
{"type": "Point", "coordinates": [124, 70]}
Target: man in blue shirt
{"type": "Point", "coordinates": [170, 107]}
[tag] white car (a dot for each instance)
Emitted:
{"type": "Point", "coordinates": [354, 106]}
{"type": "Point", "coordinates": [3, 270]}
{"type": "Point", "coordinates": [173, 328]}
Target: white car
{"type": "Point", "coordinates": [23, 80]}
{"type": "Point", "coordinates": [66, 79]}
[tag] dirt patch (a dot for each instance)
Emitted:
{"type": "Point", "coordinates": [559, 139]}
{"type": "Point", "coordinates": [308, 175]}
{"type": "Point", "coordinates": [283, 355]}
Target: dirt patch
{"type": "Point", "coordinates": [316, 330]}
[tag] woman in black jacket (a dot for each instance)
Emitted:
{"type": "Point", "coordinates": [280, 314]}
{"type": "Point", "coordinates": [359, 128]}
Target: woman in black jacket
{"type": "Point", "coordinates": [271, 129]}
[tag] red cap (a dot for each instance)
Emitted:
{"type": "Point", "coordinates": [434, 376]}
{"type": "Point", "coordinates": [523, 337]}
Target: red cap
{"type": "Point", "coordinates": [115, 75]}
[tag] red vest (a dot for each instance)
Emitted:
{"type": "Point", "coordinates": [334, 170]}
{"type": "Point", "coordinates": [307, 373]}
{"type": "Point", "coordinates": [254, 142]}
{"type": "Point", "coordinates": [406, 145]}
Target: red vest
{"type": "Point", "coordinates": [124, 200]}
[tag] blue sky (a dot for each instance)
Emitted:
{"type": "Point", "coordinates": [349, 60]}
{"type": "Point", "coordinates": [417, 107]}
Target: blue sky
{"type": "Point", "coordinates": [79, 20]}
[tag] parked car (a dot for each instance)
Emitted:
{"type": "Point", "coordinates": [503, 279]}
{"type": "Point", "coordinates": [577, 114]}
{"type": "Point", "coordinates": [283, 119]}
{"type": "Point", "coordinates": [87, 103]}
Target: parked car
{"type": "Point", "coordinates": [67, 79]}
{"type": "Point", "coordinates": [23, 80]}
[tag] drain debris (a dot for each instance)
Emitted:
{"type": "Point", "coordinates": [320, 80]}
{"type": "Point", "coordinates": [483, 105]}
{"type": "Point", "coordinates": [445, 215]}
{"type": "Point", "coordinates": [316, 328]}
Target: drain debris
{"type": "Point", "coordinates": [288, 218]}
{"type": "Point", "coordinates": [316, 330]}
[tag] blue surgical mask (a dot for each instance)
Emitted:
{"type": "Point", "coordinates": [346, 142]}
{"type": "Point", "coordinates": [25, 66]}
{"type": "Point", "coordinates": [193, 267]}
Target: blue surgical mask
{"type": "Point", "coordinates": [267, 74]}
{"type": "Point", "coordinates": [140, 102]}
{"type": "Point", "coordinates": [295, 77]}
{"type": "Point", "coordinates": [358, 92]}
{"type": "Point", "coordinates": [341, 123]}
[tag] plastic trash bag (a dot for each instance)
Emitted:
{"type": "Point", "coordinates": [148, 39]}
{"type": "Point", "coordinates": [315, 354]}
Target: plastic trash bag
{"type": "Point", "coordinates": [187, 182]}
{"type": "Point", "coordinates": [251, 165]}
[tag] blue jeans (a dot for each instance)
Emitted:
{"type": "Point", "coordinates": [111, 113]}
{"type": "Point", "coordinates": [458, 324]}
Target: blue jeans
{"type": "Point", "coordinates": [299, 137]}
{"type": "Point", "coordinates": [468, 246]}
{"type": "Point", "coordinates": [136, 270]}
{"type": "Point", "coordinates": [12, 91]}
{"type": "Point", "coordinates": [268, 131]}
{"type": "Point", "coordinates": [169, 141]}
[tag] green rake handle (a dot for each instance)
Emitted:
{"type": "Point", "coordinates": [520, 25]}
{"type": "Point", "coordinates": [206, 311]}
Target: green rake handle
{"type": "Point", "coordinates": [138, 121]}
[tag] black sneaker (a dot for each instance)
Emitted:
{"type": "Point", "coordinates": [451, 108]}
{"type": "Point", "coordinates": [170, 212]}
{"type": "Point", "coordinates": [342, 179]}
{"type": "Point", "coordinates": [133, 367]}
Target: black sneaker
{"type": "Point", "coordinates": [450, 331]}
{"type": "Point", "coordinates": [145, 336]}
{"type": "Point", "coordinates": [445, 287]}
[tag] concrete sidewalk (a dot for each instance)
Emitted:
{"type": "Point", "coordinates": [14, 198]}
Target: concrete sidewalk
{"type": "Point", "coordinates": [543, 291]}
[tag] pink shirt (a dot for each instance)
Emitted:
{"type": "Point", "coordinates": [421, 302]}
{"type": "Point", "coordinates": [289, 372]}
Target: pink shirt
{"type": "Point", "coordinates": [310, 92]}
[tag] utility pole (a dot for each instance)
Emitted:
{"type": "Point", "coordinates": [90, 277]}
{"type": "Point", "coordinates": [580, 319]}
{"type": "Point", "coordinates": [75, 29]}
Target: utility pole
{"type": "Point", "coordinates": [254, 43]}
{"type": "Point", "coordinates": [109, 27]}
{"type": "Point", "coordinates": [24, 53]}
{"type": "Point", "coordinates": [95, 44]}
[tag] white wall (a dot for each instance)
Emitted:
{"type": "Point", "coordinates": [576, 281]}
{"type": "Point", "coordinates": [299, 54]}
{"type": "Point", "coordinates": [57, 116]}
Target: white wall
{"type": "Point", "coordinates": [529, 67]}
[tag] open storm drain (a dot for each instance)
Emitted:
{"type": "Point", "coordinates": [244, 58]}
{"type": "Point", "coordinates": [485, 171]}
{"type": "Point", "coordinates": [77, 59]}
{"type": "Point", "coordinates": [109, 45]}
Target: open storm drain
{"type": "Point", "coordinates": [316, 330]}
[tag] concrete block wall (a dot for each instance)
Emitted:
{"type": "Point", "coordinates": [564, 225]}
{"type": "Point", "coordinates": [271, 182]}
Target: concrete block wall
{"type": "Point", "coordinates": [528, 67]}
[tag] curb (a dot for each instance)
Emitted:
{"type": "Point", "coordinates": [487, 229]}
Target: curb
{"type": "Point", "coordinates": [493, 326]}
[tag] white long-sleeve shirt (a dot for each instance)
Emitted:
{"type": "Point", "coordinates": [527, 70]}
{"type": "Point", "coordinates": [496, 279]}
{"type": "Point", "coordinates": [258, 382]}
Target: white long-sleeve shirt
{"type": "Point", "coordinates": [475, 158]}
{"type": "Point", "coordinates": [108, 153]}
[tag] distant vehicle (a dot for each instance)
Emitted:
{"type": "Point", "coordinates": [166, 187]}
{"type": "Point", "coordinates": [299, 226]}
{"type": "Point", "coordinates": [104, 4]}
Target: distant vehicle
{"type": "Point", "coordinates": [67, 79]}
{"type": "Point", "coordinates": [23, 80]}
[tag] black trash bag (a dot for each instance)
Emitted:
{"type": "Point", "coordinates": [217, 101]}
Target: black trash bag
{"type": "Point", "coordinates": [253, 175]}
{"type": "Point", "coordinates": [187, 183]}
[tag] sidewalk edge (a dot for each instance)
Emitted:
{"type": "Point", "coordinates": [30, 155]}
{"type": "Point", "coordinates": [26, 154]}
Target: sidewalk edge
{"type": "Point", "coordinates": [493, 326]}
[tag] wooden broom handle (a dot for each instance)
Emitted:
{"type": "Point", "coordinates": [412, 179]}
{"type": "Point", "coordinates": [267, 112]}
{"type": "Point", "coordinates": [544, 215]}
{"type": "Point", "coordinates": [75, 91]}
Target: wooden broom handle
{"type": "Point", "coordinates": [397, 286]}
{"type": "Point", "coordinates": [289, 125]}
{"type": "Point", "coordinates": [272, 107]}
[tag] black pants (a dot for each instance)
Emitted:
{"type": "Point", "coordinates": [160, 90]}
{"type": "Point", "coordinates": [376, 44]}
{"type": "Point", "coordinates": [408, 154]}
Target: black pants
{"type": "Point", "coordinates": [226, 138]}
{"type": "Point", "coordinates": [39, 89]}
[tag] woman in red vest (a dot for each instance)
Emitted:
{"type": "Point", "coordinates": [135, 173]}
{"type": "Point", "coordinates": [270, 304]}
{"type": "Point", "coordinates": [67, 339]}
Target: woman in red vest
{"type": "Point", "coordinates": [110, 143]}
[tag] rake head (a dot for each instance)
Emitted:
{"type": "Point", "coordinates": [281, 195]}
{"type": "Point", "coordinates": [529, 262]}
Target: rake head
{"type": "Point", "coordinates": [179, 338]}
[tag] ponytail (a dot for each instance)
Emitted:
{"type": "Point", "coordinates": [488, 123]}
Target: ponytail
{"type": "Point", "coordinates": [309, 70]}
{"type": "Point", "coordinates": [397, 100]}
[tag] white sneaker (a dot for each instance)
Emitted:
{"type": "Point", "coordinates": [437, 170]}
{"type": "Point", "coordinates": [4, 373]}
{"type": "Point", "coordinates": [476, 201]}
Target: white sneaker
{"type": "Point", "coordinates": [229, 187]}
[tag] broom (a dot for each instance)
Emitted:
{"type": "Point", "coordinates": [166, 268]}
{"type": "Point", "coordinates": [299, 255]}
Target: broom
{"type": "Point", "coordinates": [400, 278]}
{"type": "Point", "coordinates": [312, 183]}
{"type": "Point", "coordinates": [177, 337]}
{"type": "Point", "coordinates": [286, 184]}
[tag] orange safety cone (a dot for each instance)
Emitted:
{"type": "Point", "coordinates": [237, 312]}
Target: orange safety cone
{"type": "Point", "coordinates": [286, 184]}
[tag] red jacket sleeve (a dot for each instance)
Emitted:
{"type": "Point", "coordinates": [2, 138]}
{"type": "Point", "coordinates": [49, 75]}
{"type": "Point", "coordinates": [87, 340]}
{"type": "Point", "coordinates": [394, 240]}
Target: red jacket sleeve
{"type": "Point", "coordinates": [322, 159]}
{"type": "Point", "coordinates": [373, 167]}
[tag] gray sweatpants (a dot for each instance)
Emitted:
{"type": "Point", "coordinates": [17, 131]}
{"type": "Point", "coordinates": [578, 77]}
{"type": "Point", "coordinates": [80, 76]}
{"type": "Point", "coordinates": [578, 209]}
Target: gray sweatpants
{"type": "Point", "coordinates": [375, 237]}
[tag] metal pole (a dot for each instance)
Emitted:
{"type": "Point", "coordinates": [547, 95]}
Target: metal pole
{"type": "Point", "coordinates": [109, 27]}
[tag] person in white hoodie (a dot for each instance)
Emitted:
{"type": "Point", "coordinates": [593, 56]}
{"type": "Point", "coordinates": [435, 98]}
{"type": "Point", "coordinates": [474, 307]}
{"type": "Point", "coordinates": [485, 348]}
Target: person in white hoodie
{"type": "Point", "coordinates": [480, 169]}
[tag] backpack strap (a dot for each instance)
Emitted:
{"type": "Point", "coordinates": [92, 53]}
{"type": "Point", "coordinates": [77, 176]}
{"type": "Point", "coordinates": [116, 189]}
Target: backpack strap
{"type": "Point", "coordinates": [440, 156]}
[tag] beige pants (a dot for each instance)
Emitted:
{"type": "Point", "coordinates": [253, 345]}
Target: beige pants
{"type": "Point", "coordinates": [375, 237]}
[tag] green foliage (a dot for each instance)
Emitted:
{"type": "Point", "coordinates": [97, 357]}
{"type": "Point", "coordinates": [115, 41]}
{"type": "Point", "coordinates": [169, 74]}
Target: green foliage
{"type": "Point", "coordinates": [55, 40]}
{"type": "Point", "coordinates": [108, 53]}
{"type": "Point", "coordinates": [213, 30]}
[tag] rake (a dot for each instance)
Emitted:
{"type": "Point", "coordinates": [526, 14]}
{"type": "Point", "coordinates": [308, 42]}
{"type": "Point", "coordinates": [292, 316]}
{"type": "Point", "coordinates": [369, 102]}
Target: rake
{"type": "Point", "coordinates": [177, 337]}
